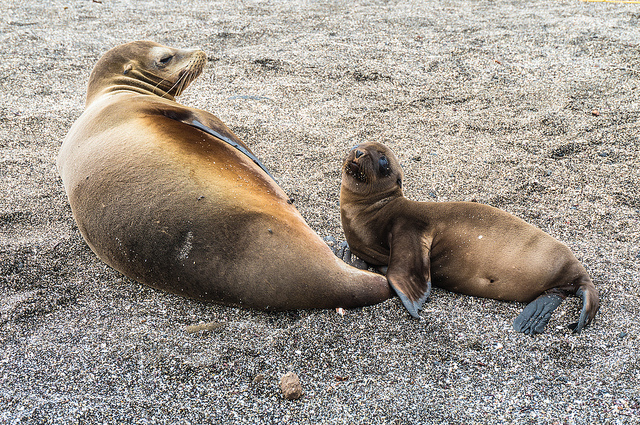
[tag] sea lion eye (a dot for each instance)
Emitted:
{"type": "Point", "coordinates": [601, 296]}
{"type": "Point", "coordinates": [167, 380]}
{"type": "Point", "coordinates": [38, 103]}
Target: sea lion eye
{"type": "Point", "coordinates": [165, 60]}
{"type": "Point", "coordinates": [383, 162]}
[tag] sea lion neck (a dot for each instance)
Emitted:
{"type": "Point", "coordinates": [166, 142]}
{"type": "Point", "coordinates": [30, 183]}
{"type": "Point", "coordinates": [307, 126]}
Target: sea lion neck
{"type": "Point", "coordinates": [365, 199]}
{"type": "Point", "coordinates": [125, 83]}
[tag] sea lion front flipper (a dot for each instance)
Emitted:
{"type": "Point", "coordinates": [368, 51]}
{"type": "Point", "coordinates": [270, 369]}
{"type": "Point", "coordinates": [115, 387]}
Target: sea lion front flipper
{"type": "Point", "coordinates": [409, 269]}
{"type": "Point", "coordinates": [537, 313]}
{"type": "Point", "coordinates": [214, 127]}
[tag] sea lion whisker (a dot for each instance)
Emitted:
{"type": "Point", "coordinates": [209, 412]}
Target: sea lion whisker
{"type": "Point", "coordinates": [183, 81]}
{"type": "Point", "coordinates": [167, 79]}
{"type": "Point", "coordinates": [174, 85]}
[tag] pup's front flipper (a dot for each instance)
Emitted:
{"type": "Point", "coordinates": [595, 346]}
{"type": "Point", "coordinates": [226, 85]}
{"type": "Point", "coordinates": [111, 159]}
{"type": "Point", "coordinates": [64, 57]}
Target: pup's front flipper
{"type": "Point", "coordinates": [409, 269]}
{"type": "Point", "coordinates": [537, 313]}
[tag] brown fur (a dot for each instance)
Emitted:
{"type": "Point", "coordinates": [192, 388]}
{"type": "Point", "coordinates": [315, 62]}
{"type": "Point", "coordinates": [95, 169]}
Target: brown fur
{"type": "Point", "coordinates": [177, 208]}
{"type": "Point", "coordinates": [464, 247]}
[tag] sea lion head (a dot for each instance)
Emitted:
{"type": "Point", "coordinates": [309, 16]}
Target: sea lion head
{"type": "Point", "coordinates": [372, 168]}
{"type": "Point", "coordinates": [145, 67]}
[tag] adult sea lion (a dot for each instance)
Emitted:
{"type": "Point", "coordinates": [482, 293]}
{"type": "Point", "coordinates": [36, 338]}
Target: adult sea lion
{"type": "Point", "coordinates": [464, 247]}
{"type": "Point", "coordinates": [170, 197]}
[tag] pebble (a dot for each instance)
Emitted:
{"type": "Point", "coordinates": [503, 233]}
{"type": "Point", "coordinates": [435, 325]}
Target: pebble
{"type": "Point", "coordinates": [204, 327]}
{"type": "Point", "coordinates": [290, 386]}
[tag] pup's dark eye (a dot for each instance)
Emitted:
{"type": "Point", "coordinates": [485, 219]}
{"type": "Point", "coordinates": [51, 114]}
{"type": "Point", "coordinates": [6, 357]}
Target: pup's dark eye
{"type": "Point", "coordinates": [383, 162]}
{"type": "Point", "coordinates": [165, 60]}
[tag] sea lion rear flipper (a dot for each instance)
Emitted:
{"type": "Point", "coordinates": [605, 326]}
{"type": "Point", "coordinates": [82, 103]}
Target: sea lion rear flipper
{"type": "Point", "coordinates": [590, 305]}
{"type": "Point", "coordinates": [409, 269]}
{"type": "Point", "coordinates": [537, 313]}
{"type": "Point", "coordinates": [577, 327]}
{"type": "Point", "coordinates": [342, 251]}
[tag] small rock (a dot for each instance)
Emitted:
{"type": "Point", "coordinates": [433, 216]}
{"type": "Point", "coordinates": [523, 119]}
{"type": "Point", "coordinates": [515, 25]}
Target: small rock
{"type": "Point", "coordinates": [290, 386]}
{"type": "Point", "coordinates": [595, 113]}
{"type": "Point", "coordinates": [204, 327]}
{"type": "Point", "coordinates": [258, 378]}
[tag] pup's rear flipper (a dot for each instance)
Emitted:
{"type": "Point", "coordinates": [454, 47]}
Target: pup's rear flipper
{"type": "Point", "coordinates": [536, 315]}
{"type": "Point", "coordinates": [590, 305]}
{"type": "Point", "coordinates": [344, 252]}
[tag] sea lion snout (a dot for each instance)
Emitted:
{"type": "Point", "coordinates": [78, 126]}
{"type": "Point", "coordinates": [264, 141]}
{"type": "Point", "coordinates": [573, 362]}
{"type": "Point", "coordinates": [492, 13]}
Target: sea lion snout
{"type": "Point", "coordinates": [373, 163]}
{"type": "Point", "coordinates": [354, 164]}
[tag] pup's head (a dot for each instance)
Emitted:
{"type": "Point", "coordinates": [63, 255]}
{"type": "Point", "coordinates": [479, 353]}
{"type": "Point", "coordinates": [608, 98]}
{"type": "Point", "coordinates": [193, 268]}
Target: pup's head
{"type": "Point", "coordinates": [372, 168]}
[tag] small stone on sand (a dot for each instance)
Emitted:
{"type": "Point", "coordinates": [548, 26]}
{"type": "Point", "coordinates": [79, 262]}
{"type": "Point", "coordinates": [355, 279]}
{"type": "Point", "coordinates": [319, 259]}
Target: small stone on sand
{"type": "Point", "coordinates": [290, 386]}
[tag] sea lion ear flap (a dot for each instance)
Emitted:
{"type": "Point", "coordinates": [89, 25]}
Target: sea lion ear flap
{"type": "Point", "coordinates": [409, 269]}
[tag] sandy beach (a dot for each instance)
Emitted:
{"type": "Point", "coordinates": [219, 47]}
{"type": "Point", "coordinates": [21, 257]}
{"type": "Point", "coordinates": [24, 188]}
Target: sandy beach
{"type": "Point", "coordinates": [532, 107]}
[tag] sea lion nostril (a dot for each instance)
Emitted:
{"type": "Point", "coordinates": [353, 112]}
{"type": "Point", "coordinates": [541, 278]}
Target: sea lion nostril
{"type": "Point", "coordinates": [359, 153]}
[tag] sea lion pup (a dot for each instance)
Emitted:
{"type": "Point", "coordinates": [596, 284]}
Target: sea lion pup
{"type": "Point", "coordinates": [465, 247]}
{"type": "Point", "coordinates": [170, 197]}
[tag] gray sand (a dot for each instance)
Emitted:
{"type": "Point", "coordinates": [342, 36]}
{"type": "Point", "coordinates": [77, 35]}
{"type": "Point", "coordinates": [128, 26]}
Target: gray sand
{"type": "Point", "coordinates": [528, 106]}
